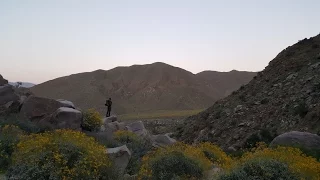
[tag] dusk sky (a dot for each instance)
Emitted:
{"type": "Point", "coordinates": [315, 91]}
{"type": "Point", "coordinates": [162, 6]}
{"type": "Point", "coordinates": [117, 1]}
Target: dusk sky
{"type": "Point", "coordinates": [42, 40]}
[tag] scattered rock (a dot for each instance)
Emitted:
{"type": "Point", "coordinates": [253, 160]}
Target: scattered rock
{"type": "Point", "coordinates": [66, 103]}
{"type": "Point", "coordinates": [231, 149]}
{"type": "Point", "coordinates": [162, 140]}
{"type": "Point", "coordinates": [304, 140]}
{"type": "Point", "coordinates": [315, 66]}
{"type": "Point", "coordinates": [37, 108]}
{"type": "Point", "coordinates": [121, 157]}
{"type": "Point", "coordinates": [292, 76]}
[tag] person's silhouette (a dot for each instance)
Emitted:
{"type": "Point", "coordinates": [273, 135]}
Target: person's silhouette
{"type": "Point", "coordinates": [108, 104]}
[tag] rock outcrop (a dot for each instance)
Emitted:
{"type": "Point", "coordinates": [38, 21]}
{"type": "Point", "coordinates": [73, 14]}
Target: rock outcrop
{"type": "Point", "coordinates": [284, 97]}
{"type": "Point", "coordinates": [37, 108]}
{"type": "Point", "coordinates": [162, 140]}
{"type": "Point", "coordinates": [3, 81]}
{"type": "Point", "coordinates": [66, 118]}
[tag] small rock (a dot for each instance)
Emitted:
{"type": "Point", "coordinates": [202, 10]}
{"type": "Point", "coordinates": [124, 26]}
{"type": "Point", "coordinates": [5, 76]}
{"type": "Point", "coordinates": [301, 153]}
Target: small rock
{"type": "Point", "coordinates": [292, 76]}
{"type": "Point", "coordinates": [241, 124]}
{"type": "Point", "coordinates": [315, 66]}
{"type": "Point", "coordinates": [162, 140]}
{"type": "Point", "coordinates": [231, 149]}
{"type": "Point", "coordinates": [270, 93]}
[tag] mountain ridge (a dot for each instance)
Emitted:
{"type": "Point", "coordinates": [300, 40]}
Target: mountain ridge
{"type": "Point", "coordinates": [137, 88]}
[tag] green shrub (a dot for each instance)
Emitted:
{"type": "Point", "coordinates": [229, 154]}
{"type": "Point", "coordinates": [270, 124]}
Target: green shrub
{"type": "Point", "coordinates": [25, 125]}
{"type": "Point", "coordinates": [92, 120]}
{"type": "Point", "coordinates": [9, 138]}
{"type": "Point", "coordinates": [263, 135]}
{"type": "Point", "coordinates": [175, 165]}
{"type": "Point", "coordinates": [62, 154]}
{"type": "Point", "coordinates": [176, 161]}
{"type": "Point", "coordinates": [262, 169]}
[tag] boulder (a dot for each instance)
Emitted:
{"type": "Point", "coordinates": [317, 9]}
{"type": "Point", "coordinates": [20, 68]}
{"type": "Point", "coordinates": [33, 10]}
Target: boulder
{"type": "Point", "coordinates": [66, 118]}
{"type": "Point", "coordinates": [37, 108]}
{"type": "Point", "coordinates": [114, 126]}
{"type": "Point", "coordinates": [307, 142]}
{"type": "Point", "coordinates": [66, 103]}
{"type": "Point", "coordinates": [7, 94]}
{"type": "Point", "coordinates": [120, 156]}
{"type": "Point", "coordinates": [110, 119]}
{"type": "Point", "coordinates": [137, 128]}
{"type": "Point", "coordinates": [162, 140]}
{"type": "Point", "coordinates": [3, 81]}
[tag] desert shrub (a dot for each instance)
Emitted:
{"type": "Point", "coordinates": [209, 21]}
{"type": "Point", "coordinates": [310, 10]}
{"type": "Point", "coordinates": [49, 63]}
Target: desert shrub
{"type": "Point", "coordinates": [125, 136]}
{"type": "Point", "coordinates": [262, 169]}
{"type": "Point", "coordinates": [263, 135]}
{"type": "Point", "coordinates": [216, 155]}
{"type": "Point", "coordinates": [9, 138]}
{"type": "Point", "coordinates": [265, 101]}
{"type": "Point", "coordinates": [301, 110]}
{"type": "Point", "coordinates": [92, 120]}
{"type": "Point", "coordinates": [25, 125]}
{"type": "Point", "coordinates": [175, 161]}
{"type": "Point", "coordinates": [303, 166]}
{"type": "Point", "coordinates": [61, 154]}
{"type": "Point", "coordinates": [138, 146]}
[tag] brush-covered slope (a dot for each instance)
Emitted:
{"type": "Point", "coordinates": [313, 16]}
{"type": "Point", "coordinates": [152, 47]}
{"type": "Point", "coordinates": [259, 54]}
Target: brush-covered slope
{"type": "Point", "coordinates": [137, 88]}
{"type": "Point", "coordinates": [284, 96]}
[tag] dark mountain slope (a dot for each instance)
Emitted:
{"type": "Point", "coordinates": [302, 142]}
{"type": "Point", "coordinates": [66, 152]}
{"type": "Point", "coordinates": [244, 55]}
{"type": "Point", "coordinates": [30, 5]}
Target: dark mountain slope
{"type": "Point", "coordinates": [284, 96]}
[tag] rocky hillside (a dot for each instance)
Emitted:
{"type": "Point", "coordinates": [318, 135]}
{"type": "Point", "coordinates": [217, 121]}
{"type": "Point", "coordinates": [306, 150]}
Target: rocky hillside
{"type": "Point", "coordinates": [284, 96]}
{"type": "Point", "coordinates": [140, 88]}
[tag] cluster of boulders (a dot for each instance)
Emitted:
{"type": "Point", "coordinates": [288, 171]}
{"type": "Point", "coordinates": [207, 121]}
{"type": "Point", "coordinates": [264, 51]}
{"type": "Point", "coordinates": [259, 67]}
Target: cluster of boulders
{"type": "Point", "coordinates": [121, 155]}
{"type": "Point", "coordinates": [10, 99]}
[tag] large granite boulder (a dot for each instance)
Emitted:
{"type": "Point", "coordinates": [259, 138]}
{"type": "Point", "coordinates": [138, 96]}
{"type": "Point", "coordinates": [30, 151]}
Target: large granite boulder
{"type": "Point", "coordinates": [38, 108]}
{"type": "Point", "coordinates": [137, 128]}
{"type": "Point", "coordinates": [66, 118]}
{"type": "Point", "coordinates": [7, 94]}
{"type": "Point", "coordinates": [307, 142]}
{"type": "Point", "coordinates": [66, 103]}
{"type": "Point", "coordinates": [120, 156]}
{"type": "Point", "coordinates": [3, 81]}
{"type": "Point", "coordinates": [113, 126]}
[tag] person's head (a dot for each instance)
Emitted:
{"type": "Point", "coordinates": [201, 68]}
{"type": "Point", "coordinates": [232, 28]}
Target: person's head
{"type": "Point", "coordinates": [110, 99]}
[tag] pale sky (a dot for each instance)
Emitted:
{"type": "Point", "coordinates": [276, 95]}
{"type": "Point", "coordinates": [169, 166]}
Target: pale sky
{"type": "Point", "coordinates": [45, 39]}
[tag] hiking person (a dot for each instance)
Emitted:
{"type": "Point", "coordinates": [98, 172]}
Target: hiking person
{"type": "Point", "coordinates": [108, 104]}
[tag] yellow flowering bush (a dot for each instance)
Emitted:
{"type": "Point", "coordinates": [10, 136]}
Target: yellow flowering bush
{"type": "Point", "coordinates": [216, 155]}
{"type": "Point", "coordinates": [9, 137]}
{"type": "Point", "coordinates": [300, 164]}
{"type": "Point", "coordinates": [61, 154]}
{"type": "Point", "coordinates": [92, 120]}
{"type": "Point", "coordinates": [175, 161]}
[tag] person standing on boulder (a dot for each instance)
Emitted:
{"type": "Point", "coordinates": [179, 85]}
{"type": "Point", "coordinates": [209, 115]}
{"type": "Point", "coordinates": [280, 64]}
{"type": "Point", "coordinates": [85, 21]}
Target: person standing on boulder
{"type": "Point", "coordinates": [108, 104]}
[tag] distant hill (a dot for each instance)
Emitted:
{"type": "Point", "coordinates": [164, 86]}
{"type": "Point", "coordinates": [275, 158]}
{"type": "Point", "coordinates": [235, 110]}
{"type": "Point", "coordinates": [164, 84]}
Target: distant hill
{"type": "Point", "coordinates": [285, 96]}
{"type": "Point", "coordinates": [24, 84]}
{"type": "Point", "coordinates": [143, 88]}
